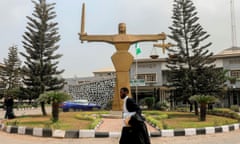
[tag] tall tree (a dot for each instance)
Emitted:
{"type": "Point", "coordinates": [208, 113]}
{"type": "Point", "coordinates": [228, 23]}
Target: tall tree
{"type": "Point", "coordinates": [11, 77]}
{"type": "Point", "coordinates": [2, 84]}
{"type": "Point", "coordinates": [40, 42]}
{"type": "Point", "coordinates": [192, 69]}
{"type": "Point", "coordinates": [10, 73]}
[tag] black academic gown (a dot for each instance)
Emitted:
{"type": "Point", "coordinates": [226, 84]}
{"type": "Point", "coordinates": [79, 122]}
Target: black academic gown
{"type": "Point", "coordinates": [137, 133]}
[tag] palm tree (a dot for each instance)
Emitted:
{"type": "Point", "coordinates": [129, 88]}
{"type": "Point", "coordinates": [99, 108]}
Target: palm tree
{"type": "Point", "coordinates": [55, 98]}
{"type": "Point", "coordinates": [203, 100]}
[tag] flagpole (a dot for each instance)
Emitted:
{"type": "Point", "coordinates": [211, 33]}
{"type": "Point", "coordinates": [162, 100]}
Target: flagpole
{"type": "Point", "coordinates": [138, 51]}
{"type": "Point", "coordinates": [136, 89]}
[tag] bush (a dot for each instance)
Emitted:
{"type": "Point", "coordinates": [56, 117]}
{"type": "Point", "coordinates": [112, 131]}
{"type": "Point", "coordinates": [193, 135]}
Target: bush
{"type": "Point", "coordinates": [153, 121]}
{"type": "Point", "coordinates": [182, 108]}
{"type": "Point", "coordinates": [108, 105]}
{"type": "Point", "coordinates": [149, 101]}
{"type": "Point", "coordinates": [152, 112]}
{"type": "Point", "coordinates": [163, 106]}
{"type": "Point", "coordinates": [235, 108]}
{"type": "Point", "coordinates": [225, 112]}
{"type": "Point", "coordinates": [95, 119]}
{"type": "Point", "coordinates": [164, 125]}
{"type": "Point", "coordinates": [155, 118]}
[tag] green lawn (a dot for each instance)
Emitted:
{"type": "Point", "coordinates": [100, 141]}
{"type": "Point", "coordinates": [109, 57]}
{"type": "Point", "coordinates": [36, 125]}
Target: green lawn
{"type": "Point", "coordinates": [67, 120]}
{"type": "Point", "coordinates": [88, 120]}
{"type": "Point", "coordinates": [180, 120]}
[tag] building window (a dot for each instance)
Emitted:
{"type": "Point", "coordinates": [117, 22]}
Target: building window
{"type": "Point", "coordinates": [234, 61]}
{"type": "Point", "coordinates": [148, 77]}
{"type": "Point", "coordinates": [235, 73]}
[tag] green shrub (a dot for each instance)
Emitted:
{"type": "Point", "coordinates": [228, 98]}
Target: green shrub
{"type": "Point", "coordinates": [13, 123]}
{"type": "Point", "coordinates": [155, 118]}
{"type": "Point", "coordinates": [225, 112]}
{"type": "Point", "coordinates": [163, 106]}
{"type": "Point", "coordinates": [94, 123]}
{"type": "Point", "coordinates": [162, 116]}
{"type": "Point", "coordinates": [182, 109]}
{"type": "Point", "coordinates": [85, 117]}
{"type": "Point", "coordinates": [153, 121]}
{"type": "Point", "coordinates": [149, 101]}
{"type": "Point", "coordinates": [108, 105]}
{"type": "Point", "coordinates": [235, 108]}
{"type": "Point", "coordinates": [95, 119]}
{"type": "Point", "coordinates": [35, 104]}
{"type": "Point", "coordinates": [164, 125]}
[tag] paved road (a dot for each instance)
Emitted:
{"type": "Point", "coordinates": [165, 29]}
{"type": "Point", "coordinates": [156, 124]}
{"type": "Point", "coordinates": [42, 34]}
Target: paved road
{"type": "Point", "coordinates": [221, 138]}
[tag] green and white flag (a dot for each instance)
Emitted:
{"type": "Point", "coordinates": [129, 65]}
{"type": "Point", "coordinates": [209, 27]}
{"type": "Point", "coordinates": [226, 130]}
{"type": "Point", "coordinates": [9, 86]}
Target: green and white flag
{"type": "Point", "coordinates": [138, 49]}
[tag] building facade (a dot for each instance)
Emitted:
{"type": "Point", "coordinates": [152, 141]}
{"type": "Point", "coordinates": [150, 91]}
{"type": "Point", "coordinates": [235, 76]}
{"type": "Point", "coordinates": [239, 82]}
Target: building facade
{"type": "Point", "coordinates": [154, 73]}
{"type": "Point", "coordinates": [148, 78]}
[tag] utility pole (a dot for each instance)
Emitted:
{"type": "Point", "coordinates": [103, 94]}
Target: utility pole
{"type": "Point", "coordinates": [233, 24]}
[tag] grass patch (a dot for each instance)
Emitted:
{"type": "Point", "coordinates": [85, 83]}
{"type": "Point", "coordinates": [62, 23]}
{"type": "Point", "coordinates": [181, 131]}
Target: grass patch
{"type": "Point", "coordinates": [67, 120]}
{"type": "Point", "coordinates": [93, 117]}
{"type": "Point", "coordinates": [89, 120]}
{"type": "Point", "coordinates": [180, 120]}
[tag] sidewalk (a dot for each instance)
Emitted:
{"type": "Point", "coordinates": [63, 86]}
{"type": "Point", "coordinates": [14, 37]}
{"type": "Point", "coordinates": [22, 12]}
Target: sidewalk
{"type": "Point", "coordinates": [115, 125]}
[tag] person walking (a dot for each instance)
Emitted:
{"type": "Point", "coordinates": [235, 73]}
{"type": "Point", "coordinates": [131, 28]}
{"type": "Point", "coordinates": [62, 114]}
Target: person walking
{"type": "Point", "coordinates": [8, 104]}
{"type": "Point", "coordinates": [134, 130]}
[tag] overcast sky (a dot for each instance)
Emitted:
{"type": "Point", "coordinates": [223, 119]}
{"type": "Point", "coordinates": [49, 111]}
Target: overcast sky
{"type": "Point", "coordinates": [103, 17]}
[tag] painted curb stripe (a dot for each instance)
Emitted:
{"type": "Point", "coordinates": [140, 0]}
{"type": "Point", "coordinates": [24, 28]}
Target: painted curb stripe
{"type": "Point", "coordinates": [29, 131]}
{"type": "Point", "coordinates": [101, 134]}
{"type": "Point", "coordinates": [179, 132]}
{"type": "Point", "coordinates": [44, 132]}
{"type": "Point", "coordinates": [72, 134]}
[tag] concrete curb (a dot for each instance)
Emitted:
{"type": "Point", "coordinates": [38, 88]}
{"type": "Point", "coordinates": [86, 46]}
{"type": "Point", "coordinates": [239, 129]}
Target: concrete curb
{"type": "Point", "coordinates": [42, 132]}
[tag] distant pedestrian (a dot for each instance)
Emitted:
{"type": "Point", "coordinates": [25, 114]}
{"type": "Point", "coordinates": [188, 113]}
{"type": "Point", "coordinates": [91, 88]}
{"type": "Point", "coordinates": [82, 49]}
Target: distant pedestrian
{"type": "Point", "coordinates": [134, 130]}
{"type": "Point", "coordinates": [8, 104]}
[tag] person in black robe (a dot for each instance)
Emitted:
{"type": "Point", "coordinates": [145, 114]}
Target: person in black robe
{"type": "Point", "coordinates": [134, 130]}
{"type": "Point", "coordinates": [8, 104]}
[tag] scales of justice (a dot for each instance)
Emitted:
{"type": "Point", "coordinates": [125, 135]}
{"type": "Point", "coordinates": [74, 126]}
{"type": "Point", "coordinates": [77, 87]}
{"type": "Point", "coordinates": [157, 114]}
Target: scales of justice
{"type": "Point", "coordinates": [121, 59]}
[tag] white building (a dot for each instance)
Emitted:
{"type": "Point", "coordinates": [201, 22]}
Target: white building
{"type": "Point", "coordinates": [149, 77]}
{"type": "Point", "coordinates": [154, 73]}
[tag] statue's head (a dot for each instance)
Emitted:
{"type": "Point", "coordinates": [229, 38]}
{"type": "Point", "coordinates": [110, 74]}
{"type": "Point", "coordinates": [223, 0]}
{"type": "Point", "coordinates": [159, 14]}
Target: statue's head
{"type": "Point", "coordinates": [122, 28]}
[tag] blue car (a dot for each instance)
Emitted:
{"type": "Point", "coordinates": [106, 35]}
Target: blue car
{"type": "Point", "coordinates": [78, 105]}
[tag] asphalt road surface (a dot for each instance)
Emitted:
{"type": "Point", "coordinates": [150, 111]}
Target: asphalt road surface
{"type": "Point", "coordinates": [220, 138]}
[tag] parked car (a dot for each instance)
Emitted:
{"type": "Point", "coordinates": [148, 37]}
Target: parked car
{"type": "Point", "coordinates": [78, 105]}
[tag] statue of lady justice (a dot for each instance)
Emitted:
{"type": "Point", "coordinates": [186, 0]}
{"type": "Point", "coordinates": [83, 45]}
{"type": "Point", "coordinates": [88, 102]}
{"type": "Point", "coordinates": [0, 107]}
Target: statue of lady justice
{"type": "Point", "coordinates": [121, 59]}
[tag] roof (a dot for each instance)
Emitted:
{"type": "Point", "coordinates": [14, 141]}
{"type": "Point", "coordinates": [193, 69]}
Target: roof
{"type": "Point", "coordinates": [230, 52]}
{"type": "Point", "coordinates": [102, 70]}
{"type": "Point", "coordinates": [150, 60]}
{"type": "Point", "coordinates": [2, 65]}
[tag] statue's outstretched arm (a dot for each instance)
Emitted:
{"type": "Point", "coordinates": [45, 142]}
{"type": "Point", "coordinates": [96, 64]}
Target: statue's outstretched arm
{"type": "Point", "coordinates": [153, 37]}
{"type": "Point", "coordinates": [96, 38]}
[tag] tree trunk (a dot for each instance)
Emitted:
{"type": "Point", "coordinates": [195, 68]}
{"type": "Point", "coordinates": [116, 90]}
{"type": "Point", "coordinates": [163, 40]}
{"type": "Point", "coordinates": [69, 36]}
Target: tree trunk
{"type": "Point", "coordinates": [203, 111]}
{"type": "Point", "coordinates": [55, 112]}
{"type": "Point", "coordinates": [44, 113]}
{"type": "Point", "coordinates": [191, 106]}
{"type": "Point", "coordinates": [196, 108]}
